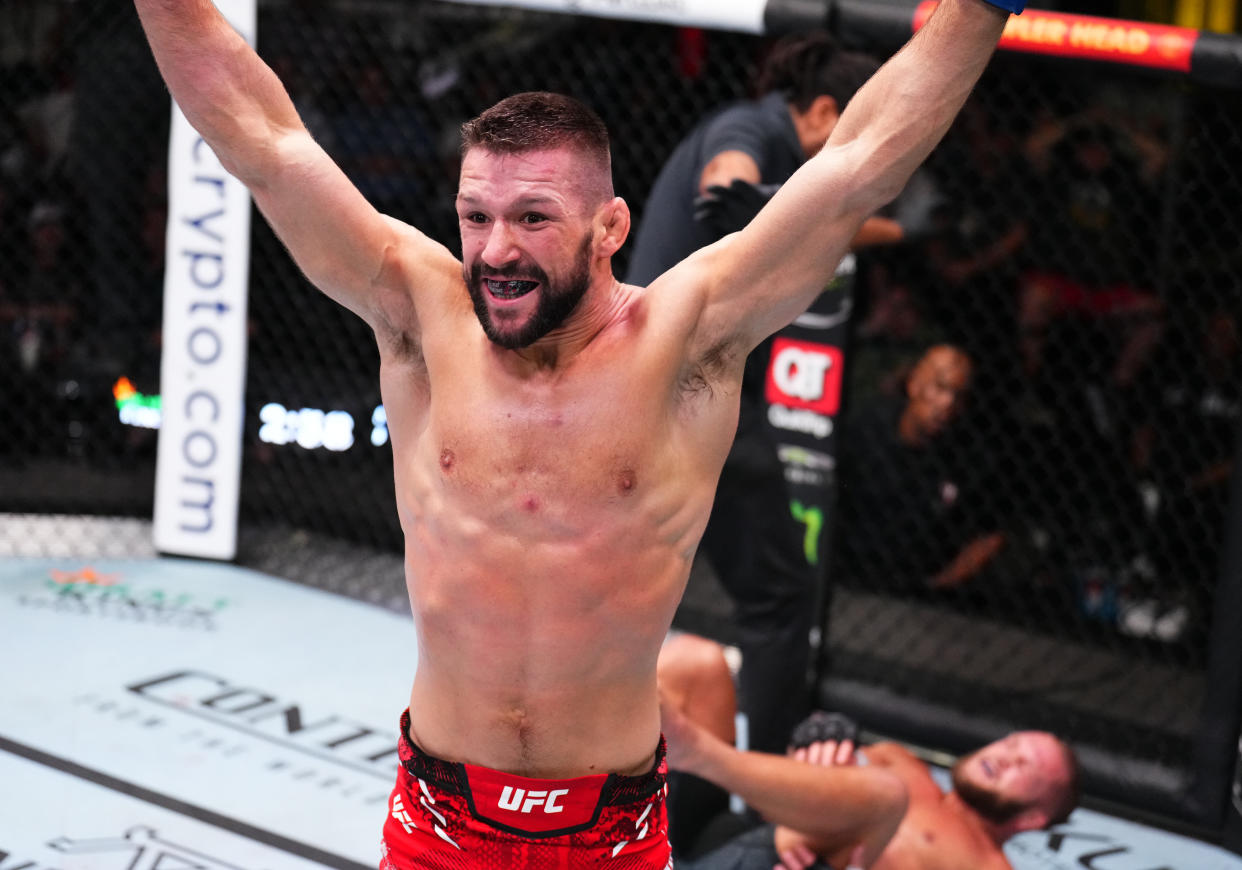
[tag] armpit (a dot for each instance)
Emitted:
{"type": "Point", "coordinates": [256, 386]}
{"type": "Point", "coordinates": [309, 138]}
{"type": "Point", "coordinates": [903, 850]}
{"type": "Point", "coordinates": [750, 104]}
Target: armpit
{"type": "Point", "coordinates": [712, 368]}
{"type": "Point", "coordinates": [400, 346]}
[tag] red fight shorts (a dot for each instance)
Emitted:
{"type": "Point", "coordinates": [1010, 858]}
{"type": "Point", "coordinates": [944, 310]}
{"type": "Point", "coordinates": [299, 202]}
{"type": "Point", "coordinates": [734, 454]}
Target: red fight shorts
{"type": "Point", "coordinates": [447, 815]}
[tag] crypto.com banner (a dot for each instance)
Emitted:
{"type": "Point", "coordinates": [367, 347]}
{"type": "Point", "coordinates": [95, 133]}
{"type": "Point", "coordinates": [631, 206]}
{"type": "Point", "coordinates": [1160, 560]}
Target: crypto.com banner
{"type": "Point", "coordinates": [202, 372]}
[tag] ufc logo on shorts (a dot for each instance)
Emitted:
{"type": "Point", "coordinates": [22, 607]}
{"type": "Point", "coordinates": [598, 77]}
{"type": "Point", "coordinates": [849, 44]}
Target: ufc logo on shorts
{"type": "Point", "coordinates": [804, 374]}
{"type": "Point", "coordinates": [403, 817]}
{"type": "Point", "coordinates": [523, 801]}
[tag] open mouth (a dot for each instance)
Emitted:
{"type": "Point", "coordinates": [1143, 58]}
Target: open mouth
{"type": "Point", "coordinates": [510, 289]}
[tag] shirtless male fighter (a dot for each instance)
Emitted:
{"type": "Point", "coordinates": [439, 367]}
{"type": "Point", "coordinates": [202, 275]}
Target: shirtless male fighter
{"type": "Point", "coordinates": [1024, 781]}
{"type": "Point", "coordinates": [556, 434]}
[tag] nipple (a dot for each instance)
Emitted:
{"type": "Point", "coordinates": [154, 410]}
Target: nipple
{"type": "Point", "coordinates": [446, 459]}
{"type": "Point", "coordinates": [626, 481]}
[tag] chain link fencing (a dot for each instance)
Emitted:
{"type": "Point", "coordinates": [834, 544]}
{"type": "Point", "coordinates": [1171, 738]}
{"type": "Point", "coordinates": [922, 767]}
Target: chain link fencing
{"type": "Point", "coordinates": [1039, 540]}
{"type": "Point", "coordinates": [1043, 554]}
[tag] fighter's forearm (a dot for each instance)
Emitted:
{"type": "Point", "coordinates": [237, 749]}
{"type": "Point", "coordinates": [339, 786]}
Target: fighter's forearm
{"type": "Point", "coordinates": [834, 806]}
{"type": "Point", "coordinates": [228, 94]}
{"type": "Point", "coordinates": [899, 116]}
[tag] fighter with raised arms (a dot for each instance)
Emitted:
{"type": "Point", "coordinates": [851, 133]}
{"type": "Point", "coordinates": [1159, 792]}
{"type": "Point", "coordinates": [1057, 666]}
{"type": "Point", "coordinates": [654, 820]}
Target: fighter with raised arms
{"type": "Point", "coordinates": [556, 434]}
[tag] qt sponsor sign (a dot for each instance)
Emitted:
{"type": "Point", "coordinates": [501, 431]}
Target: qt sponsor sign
{"type": "Point", "coordinates": [202, 370]}
{"type": "Point", "coordinates": [806, 375]}
{"type": "Point", "coordinates": [802, 392]}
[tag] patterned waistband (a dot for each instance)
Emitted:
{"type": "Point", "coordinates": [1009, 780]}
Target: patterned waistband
{"type": "Point", "coordinates": [450, 776]}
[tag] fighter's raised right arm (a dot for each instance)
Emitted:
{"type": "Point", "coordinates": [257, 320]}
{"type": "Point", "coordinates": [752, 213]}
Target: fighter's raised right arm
{"type": "Point", "coordinates": [235, 101]}
{"type": "Point", "coordinates": [759, 279]}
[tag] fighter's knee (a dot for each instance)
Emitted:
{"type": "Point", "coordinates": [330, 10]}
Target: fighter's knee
{"type": "Point", "coordinates": [688, 658]}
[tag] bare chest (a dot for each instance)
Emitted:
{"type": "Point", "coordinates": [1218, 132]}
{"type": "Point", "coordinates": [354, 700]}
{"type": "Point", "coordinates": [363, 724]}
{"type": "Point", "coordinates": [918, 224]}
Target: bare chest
{"type": "Point", "coordinates": [929, 840]}
{"type": "Point", "coordinates": [544, 457]}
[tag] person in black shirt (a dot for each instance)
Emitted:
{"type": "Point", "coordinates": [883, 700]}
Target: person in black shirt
{"type": "Point", "coordinates": [715, 180]}
{"type": "Point", "coordinates": [909, 510]}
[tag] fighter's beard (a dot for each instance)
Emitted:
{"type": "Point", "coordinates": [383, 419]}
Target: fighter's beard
{"type": "Point", "coordinates": [557, 300]}
{"type": "Point", "coordinates": [989, 805]}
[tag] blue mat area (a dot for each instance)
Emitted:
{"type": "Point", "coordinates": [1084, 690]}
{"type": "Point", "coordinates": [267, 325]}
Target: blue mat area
{"type": "Point", "coordinates": [1097, 841]}
{"type": "Point", "coordinates": [179, 714]}
{"type": "Point", "coordinates": [1094, 840]}
{"type": "Point", "coordinates": [227, 713]}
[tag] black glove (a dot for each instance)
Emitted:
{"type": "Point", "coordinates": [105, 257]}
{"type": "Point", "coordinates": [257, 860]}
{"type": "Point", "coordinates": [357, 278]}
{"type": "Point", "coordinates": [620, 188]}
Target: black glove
{"type": "Point", "coordinates": [725, 210]}
{"type": "Point", "coordinates": [821, 726]}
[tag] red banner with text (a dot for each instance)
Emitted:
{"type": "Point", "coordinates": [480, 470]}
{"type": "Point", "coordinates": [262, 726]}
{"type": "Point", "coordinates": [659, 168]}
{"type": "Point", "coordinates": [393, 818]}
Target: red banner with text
{"type": "Point", "coordinates": [1059, 34]}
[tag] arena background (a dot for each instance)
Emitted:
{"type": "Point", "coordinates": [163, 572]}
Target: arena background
{"type": "Point", "coordinates": [1099, 444]}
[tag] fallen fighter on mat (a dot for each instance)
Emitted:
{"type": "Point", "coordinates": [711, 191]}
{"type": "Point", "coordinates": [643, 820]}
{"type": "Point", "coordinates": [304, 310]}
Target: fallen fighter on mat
{"type": "Point", "coordinates": [903, 820]}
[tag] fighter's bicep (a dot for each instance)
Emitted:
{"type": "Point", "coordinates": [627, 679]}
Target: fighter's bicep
{"type": "Point", "coordinates": [680, 319]}
{"type": "Point", "coordinates": [337, 238]}
{"type": "Point", "coordinates": [770, 272]}
{"type": "Point", "coordinates": [419, 283]}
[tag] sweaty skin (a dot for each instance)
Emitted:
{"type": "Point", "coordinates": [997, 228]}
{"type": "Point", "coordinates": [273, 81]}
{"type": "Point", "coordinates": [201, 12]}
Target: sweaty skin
{"type": "Point", "coordinates": [939, 830]}
{"type": "Point", "coordinates": [552, 496]}
{"type": "Point", "coordinates": [933, 835]}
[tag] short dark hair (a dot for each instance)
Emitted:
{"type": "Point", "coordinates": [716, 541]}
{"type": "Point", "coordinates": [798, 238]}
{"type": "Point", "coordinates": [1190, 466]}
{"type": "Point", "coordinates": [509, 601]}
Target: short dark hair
{"type": "Point", "coordinates": [810, 65]}
{"type": "Point", "coordinates": [535, 121]}
{"type": "Point", "coordinates": [1066, 797]}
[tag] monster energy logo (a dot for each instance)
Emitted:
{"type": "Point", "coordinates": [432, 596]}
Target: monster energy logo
{"type": "Point", "coordinates": [813, 519]}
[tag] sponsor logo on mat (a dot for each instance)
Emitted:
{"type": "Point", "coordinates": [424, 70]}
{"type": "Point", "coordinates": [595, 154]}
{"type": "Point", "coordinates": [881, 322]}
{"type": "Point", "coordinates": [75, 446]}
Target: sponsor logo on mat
{"type": "Point", "coordinates": [1063, 848]}
{"type": "Point", "coordinates": [262, 714]}
{"type": "Point", "coordinates": [139, 849]}
{"type": "Point", "coordinates": [87, 592]}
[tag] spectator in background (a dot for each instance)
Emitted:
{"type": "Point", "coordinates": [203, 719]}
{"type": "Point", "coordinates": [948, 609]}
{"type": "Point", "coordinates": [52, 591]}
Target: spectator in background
{"type": "Point", "coordinates": [894, 332]}
{"type": "Point", "coordinates": [911, 502]}
{"type": "Point", "coordinates": [1090, 251]}
{"type": "Point", "coordinates": [1187, 412]}
{"type": "Point", "coordinates": [725, 169]}
{"type": "Point", "coordinates": [383, 141]}
{"type": "Point", "coordinates": [985, 215]}
{"type": "Point", "coordinates": [148, 302]}
{"type": "Point", "coordinates": [15, 158]}
{"type": "Point", "coordinates": [49, 296]}
{"type": "Point", "coordinates": [1088, 322]}
{"type": "Point", "coordinates": [31, 32]}
{"type": "Point", "coordinates": [47, 119]}
{"type": "Point", "coordinates": [13, 252]}
{"type": "Point", "coordinates": [975, 258]}
{"type": "Point", "coordinates": [40, 317]}
{"type": "Point", "coordinates": [36, 102]}
{"type": "Point", "coordinates": [119, 133]}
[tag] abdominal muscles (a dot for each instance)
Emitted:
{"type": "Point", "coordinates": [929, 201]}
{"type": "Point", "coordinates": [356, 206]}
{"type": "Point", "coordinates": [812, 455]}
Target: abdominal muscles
{"type": "Point", "coordinates": [540, 610]}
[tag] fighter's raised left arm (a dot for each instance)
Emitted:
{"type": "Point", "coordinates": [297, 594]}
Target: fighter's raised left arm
{"type": "Point", "coordinates": [757, 280]}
